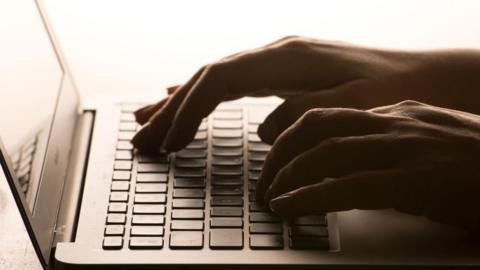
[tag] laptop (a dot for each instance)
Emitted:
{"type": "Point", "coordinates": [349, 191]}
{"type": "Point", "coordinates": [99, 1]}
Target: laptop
{"type": "Point", "coordinates": [89, 200]}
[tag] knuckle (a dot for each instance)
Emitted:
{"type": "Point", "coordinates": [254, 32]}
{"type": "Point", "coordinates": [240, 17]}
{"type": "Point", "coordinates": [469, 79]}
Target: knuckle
{"type": "Point", "coordinates": [294, 43]}
{"type": "Point", "coordinates": [408, 103]}
{"type": "Point", "coordinates": [311, 117]}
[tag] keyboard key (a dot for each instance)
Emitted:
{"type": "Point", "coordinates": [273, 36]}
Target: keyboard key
{"type": "Point", "coordinates": [125, 135]}
{"type": "Point", "coordinates": [127, 117]}
{"type": "Point", "coordinates": [227, 161]}
{"type": "Point", "coordinates": [252, 128]}
{"type": "Point", "coordinates": [117, 208]}
{"type": "Point", "coordinates": [226, 191]}
{"type": "Point", "coordinates": [258, 147]}
{"type": "Point", "coordinates": [189, 173]}
{"type": "Point", "coordinates": [253, 138]}
{"type": "Point", "coordinates": [203, 126]}
{"type": "Point", "coordinates": [148, 220]}
{"type": "Point", "coordinates": [117, 196]}
{"type": "Point", "coordinates": [226, 222]}
{"type": "Point", "coordinates": [150, 198]}
{"type": "Point", "coordinates": [252, 197]}
{"type": "Point", "coordinates": [189, 183]}
{"type": "Point", "coordinates": [226, 239]}
{"type": "Point", "coordinates": [121, 175]}
{"type": "Point", "coordinates": [259, 241]}
{"type": "Point", "coordinates": [264, 217]}
{"type": "Point", "coordinates": [159, 158]}
{"type": "Point", "coordinates": [320, 231]}
{"type": "Point", "coordinates": [149, 209]}
{"type": "Point", "coordinates": [152, 177]}
{"type": "Point", "coordinates": [227, 170]}
{"type": "Point", "coordinates": [190, 163]}
{"type": "Point", "coordinates": [152, 168]}
{"type": "Point", "coordinates": [227, 115]}
{"type": "Point", "coordinates": [197, 144]}
{"type": "Point", "coordinates": [123, 165]}
{"type": "Point", "coordinates": [114, 230]}
{"type": "Point", "coordinates": [257, 156]}
{"type": "Point", "coordinates": [146, 242]}
{"type": "Point", "coordinates": [315, 220]}
{"type": "Point", "coordinates": [309, 242]}
{"type": "Point", "coordinates": [255, 165]}
{"type": "Point", "coordinates": [123, 155]}
{"type": "Point", "coordinates": [116, 219]}
{"type": "Point", "coordinates": [227, 124]}
{"type": "Point", "coordinates": [186, 225]}
{"type": "Point", "coordinates": [258, 207]}
{"type": "Point", "coordinates": [226, 201]}
{"type": "Point", "coordinates": [252, 185]}
{"type": "Point", "coordinates": [227, 152]}
{"type": "Point", "coordinates": [227, 133]}
{"type": "Point", "coordinates": [188, 204]}
{"type": "Point", "coordinates": [150, 188]}
{"type": "Point", "coordinates": [227, 142]}
{"type": "Point", "coordinates": [112, 242]}
{"type": "Point", "coordinates": [146, 231]}
{"type": "Point", "coordinates": [226, 212]}
{"type": "Point", "coordinates": [253, 175]}
{"type": "Point", "coordinates": [266, 228]}
{"type": "Point", "coordinates": [187, 214]}
{"type": "Point", "coordinates": [120, 186]}
{"type": "Point", "coordinates": [128, 126]}
{"type": "Point", "coordinates": [189, 193]}
{"type": "Point", "coordinates": [186, 240]}
{"type": "Point", "coordinates": [124, 145]}
{"type": "Point", "coordinates": [200, 135]}
{"type": "Point", "coordinates": [191, 153]}
{"type": "Point", "coordinates": [227, 181]}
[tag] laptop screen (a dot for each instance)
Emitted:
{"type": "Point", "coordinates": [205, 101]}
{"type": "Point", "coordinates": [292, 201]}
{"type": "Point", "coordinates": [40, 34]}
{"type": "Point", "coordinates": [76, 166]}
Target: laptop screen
{"type": "Point", "coordinates": [30, 77]}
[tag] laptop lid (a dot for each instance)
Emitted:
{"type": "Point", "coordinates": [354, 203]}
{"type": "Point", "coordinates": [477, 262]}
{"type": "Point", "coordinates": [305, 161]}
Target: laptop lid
{"type": "Point", "coordinates": [38, 109]}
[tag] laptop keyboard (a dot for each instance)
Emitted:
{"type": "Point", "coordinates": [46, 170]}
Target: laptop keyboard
{"type": "Point", "coordinates": [22, 163]}
{"type": "Point", "coordinates": [202, 196]}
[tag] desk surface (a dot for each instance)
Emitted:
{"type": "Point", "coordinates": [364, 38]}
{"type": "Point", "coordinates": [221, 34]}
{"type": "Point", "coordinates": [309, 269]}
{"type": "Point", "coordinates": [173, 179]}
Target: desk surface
{"type": "Point", "coordinates": [126, 46]}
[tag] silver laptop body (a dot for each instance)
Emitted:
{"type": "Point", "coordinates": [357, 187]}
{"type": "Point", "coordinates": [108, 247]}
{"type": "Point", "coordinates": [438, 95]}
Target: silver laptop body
{"type": "Point", "coordinates": [64, 159]}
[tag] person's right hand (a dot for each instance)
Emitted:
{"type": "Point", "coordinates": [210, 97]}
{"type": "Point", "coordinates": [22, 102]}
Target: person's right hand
{"type": "Point", "coordinates": [308, 74]}
{"type": "Point", "coordinates": [312, 73]}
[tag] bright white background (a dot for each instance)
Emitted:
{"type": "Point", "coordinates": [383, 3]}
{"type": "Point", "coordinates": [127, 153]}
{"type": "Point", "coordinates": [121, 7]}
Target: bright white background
{"type": "Point", "coordinates": [126, 45]}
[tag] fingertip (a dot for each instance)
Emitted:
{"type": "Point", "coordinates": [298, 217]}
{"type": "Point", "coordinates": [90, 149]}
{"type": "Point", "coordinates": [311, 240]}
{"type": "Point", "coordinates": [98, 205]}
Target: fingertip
{"type": "Point", "coordinates": [143, 141]}
{"type": "Point", "coordinates": [280, 205]}
{"type": "Point", "coordinates": [268, 131]}
{"type": "Point", "coordinates": [140, 114]}
{"type": "Point", "coordinates": [172, 89]}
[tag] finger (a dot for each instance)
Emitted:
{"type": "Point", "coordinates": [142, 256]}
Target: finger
{"type": "Point", "coordinates": [172, 89]}
{"type": "Point", "coordinates": [337, 157]}
{"type": "Point", "coordinates": [364, 190]}
{"type": "Point", "coordinates": [293, 108]}
{"type": "Point", "coordinates": [143, 115]}
{"type": "Point", "coordinates": [313, 127]}
{"type": "Point", "coordinates": [266, 69]}
{"type": "Point", "coordinates": [150, 138]}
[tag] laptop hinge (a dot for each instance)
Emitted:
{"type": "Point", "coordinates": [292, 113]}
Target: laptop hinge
{"type": "Point", "coordinates": [65, 228]}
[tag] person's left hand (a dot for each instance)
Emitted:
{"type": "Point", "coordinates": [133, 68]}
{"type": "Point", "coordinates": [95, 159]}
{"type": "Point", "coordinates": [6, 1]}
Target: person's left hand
{"type": "Point", "coordinates": [413, 157]}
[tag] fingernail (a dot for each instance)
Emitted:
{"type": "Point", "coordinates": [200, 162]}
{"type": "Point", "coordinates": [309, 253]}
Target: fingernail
{"type": "Point", "coordinates": [267, 132]}
{"type": "Point", "coordinates": [279, 203]}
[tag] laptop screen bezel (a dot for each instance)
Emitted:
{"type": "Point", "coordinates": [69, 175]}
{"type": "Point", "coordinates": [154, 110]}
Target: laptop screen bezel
{"type": "Point", "coordinates": [41, 223]}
